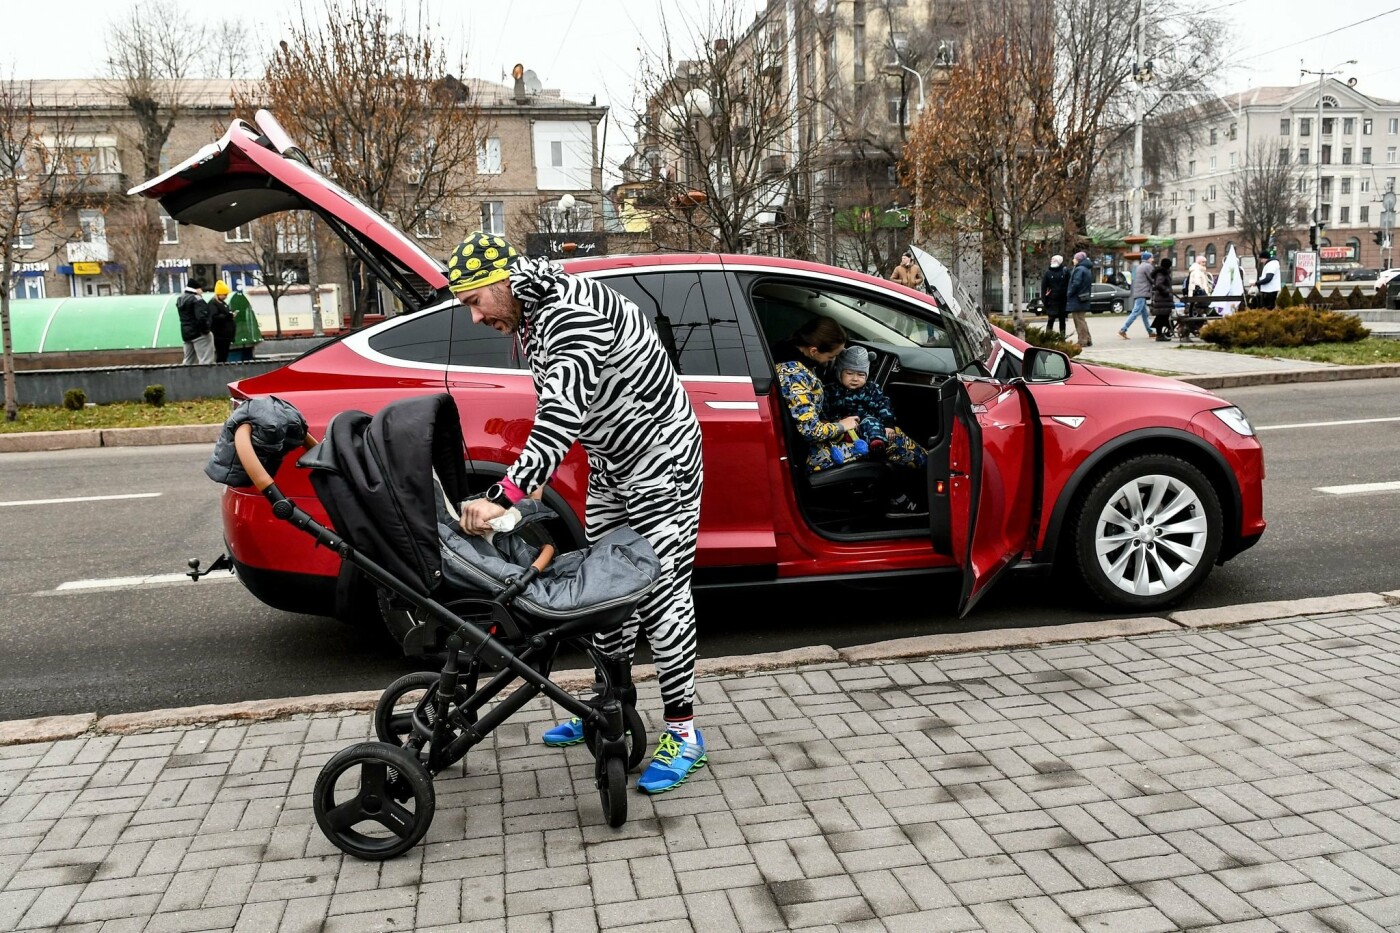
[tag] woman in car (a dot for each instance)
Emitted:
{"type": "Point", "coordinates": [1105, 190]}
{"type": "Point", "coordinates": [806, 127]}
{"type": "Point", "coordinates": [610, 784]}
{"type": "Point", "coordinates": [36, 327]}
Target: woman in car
{"type": "Point", "coordinates": [800, 361]}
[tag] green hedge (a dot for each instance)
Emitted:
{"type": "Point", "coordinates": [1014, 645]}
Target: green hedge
{"type": "Point", "coordinates": [1039, 336]}
{"type": "Point", "coordinates": [1284, 327]}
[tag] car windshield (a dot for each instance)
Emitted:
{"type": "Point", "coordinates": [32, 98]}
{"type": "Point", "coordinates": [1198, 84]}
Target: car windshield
{"type": "Point", "coordinates": [970, 331]}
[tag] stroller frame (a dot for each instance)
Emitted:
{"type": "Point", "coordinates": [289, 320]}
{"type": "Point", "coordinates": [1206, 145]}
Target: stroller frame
{"type": "Point", "coordinates": [446, 722]}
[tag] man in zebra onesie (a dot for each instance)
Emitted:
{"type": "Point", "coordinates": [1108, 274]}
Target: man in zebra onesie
{"type": "Point", "coordinates": [603, 378]}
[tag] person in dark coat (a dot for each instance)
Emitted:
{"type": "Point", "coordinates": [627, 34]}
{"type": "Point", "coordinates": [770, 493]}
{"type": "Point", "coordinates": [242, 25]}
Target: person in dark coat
{"type": "Point", "coordinates": [1163, 302]}
{"type": "Point", "coordinates": [194, 324]}
{"type": "Point", "coordinates": [221, 322]}
{"type": "Point", "coordinates": [1053, 290]}
{"type": "Point", "coordinates": [1077, 294]}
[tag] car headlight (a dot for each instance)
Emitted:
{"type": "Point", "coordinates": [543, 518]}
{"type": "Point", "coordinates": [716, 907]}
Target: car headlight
{"type": "Point", "coordinates": [1235, 420]}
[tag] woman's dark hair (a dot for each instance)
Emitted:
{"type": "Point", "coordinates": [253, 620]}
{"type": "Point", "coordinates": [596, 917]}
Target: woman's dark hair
{"type": "Point", "coordinates": [820, 332]}
{"type": "Point", "coordinates": [1165, 265]}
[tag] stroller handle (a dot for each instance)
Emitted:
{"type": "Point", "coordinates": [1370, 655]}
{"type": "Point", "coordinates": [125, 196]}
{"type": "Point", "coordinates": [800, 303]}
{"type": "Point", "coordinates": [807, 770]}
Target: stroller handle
{"type": "Point", "coordinates": [248, 458]}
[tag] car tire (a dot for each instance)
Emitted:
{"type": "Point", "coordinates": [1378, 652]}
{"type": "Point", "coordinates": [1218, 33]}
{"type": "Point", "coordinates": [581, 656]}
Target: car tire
{"type": "Point", "coordinates": [1117, 306]}
{"type": "Point", "coordinates": [1147, 532]}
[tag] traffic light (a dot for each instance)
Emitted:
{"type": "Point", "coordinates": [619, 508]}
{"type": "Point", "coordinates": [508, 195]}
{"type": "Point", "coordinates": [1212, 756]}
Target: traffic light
{"type": "Point", "coordinates": [1378, 237]}
{"type": "Point", "coordinates": [1313, 236]}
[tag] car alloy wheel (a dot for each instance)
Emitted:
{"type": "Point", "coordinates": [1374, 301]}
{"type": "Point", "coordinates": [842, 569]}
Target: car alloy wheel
{"type": "Point", "coordinates": [1118, 306]}
{"type": "Point", "coordinates": [1148, 532]}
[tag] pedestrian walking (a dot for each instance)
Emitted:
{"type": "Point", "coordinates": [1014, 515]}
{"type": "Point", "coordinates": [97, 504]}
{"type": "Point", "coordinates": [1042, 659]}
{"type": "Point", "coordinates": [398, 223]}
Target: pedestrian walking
{"type": "Point", "coordinates": [194, 324]}
{"type": "Point", "coordinates": [221, 322]}
{"type": "Point", "coordinates": [1270, 281]}
{"type": "Point", "coordinates": [907, 272]}
{"type": "Point", "coordinates": [1077, 294]}
{"type": "Point", "coordinates": [1163, 302]}
{"type": "Point", "coordinates": [1140, 293]}
{"type": "Point", "coordinates": [603, 378]}
{"type": "Point", "coordinates": [1053, 289]}
{"type": "Point", "coordinates": [1198, 283]}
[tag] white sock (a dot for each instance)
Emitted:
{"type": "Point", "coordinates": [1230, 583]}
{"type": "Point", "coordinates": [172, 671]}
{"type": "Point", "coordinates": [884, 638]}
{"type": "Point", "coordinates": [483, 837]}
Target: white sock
{"type": "Point", "coordinates": [685, 728]}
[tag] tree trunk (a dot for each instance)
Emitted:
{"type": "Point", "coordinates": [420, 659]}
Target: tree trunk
{"type": "Point", "coordinates": [313, 277]}
{"type": "Point", "coordinates": [11, 393]}
{"type": "Point", "coordinates": [1017, 278]}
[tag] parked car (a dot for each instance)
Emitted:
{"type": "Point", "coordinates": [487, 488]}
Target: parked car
{"type": "Point", "coordinates": [1361, 275]}
{"type": "Point", "coordinates": [1111, 298]}
{"type": "Point", "coordinates": [1384, 277]}
{"type": "Point", "coordinates": [1133, 484]}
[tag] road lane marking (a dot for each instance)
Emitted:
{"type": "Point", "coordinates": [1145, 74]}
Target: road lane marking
{"type": "Point", "coordinates": [1358, 488]}
{"type": "Point", "coordinates": [130, 495]}
{"type": "Point", "coordinates": [1320, 424]}
{"type": "Point", "coordinates": [157, 579]}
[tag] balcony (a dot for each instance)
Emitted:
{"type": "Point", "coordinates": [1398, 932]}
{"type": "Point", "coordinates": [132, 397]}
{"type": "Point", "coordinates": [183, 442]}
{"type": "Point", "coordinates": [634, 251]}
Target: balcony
{"type": "Point", "coordinates": [97, 184]}
{"type": "Point", "coordinates": [89, 252]}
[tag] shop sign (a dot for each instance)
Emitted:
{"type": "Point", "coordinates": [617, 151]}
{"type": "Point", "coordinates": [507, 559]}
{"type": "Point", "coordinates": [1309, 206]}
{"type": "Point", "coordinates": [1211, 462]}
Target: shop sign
{"type": "Point", "coordinates": [172, 263]}
{"type": "Point", "coordinates": [87, 268]}
{"type": "Point", "coordinates": [1338, 253]}
{"type": "Point", "coordinates": [23, 267]}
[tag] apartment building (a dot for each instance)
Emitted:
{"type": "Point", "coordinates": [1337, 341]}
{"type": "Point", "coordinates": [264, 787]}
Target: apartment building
{"type": "Point", "coordinates": [1343, 164]}
{"type": "Point", "coordinates": [538, 147]}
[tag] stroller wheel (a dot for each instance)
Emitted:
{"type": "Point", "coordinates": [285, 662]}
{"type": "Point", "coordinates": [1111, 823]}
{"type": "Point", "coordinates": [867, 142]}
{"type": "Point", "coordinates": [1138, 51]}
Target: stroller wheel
{"type": "Point", "coordinates": [393, 715]}
{"type": "Point", "coordinates": [612, 790]}
{"type": "Point", "coordinates": [374, 801]}
{"type": "Point", "coordinates": [636, 737]}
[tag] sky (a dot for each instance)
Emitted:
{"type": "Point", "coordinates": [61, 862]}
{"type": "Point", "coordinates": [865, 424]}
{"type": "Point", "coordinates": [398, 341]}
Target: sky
{"type": "Point", "coordinates": [592, 48]}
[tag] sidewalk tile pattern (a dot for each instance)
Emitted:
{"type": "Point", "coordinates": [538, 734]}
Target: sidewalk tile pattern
{"type": "Point", "coordinates": [1239, 779]}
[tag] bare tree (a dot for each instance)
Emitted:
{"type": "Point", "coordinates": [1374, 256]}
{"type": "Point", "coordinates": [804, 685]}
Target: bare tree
{"type": "Point", "coordinates": [1004, 172]}
{"type": "Point", "coordinates": [38, 192]}
{"type": "Point", "coordinates": [719, 138]}
{"type": "Point", "coordinates": [280, 247]}
{"type": "Point", "coordinates": [373, 102]}
{"type": "Point", "coordinates": [1265, 195]}
{"type": "Point", "coordinates": [133, 234]}
{"type": "Point", "coordinates": [230, 48]}
{"type": "Point", "coordinates": [152, 53]}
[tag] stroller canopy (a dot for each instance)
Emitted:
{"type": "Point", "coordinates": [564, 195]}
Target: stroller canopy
{"type": "Point", "coordinates": [375, 475]}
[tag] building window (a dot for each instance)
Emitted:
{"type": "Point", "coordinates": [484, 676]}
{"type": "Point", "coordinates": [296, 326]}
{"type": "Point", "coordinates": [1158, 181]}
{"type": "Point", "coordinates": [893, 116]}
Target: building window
{"type": "Point", "coordinates": [241, 234]}
{"type": "Point", "coordinates": [169, 230]}
{"type": "Point", "coordinates": [1348, 125]}
{"type": "Point", "coordinates": [1212, 192]}
{"type": "Point", "coordinates": [1344, 215]}
{"type": "Point", "coordinates": [897, 108]}
{"type": "Point", "coordinates": [1327, 155]}
{"type": "Point", "coordinates": [1284, 129]}
{"type": "Point", "coordinates": [1327, 186]}
{"type": "Point", "coordinates": [1365, 185]}
{"type": "Point", "coordinates": [1191, 198]}
{"type": "Point", "coordinates": [556, 154]}
{"type": "Point", "coordinates": [493, 217]}
{"type": "Point", "coordinates": [1365, 155]}
{"type": "Point", "coordinates": [1191, 168]}
{"type": "Point", "coordinates": [1190, 255]}
{"type": "Point", "coordinates": [1302, 157]}
{"type": "Point", "coordinates": [1305, 126]}
{"type": "Point", "coordinates": [1213, 163]}
{"type": "Point", "coordinates": [1210, 221]}
{"type": "Point", "coordinates": [1214, 136]}
{"type": "Point", "coordinates": [27, 286]}
{"type": "Point", "coordinates": [1346, 185]}
{"type": "Point", "coordinates": [1366, 126]}
{"type": "Point", "coordinates": [1326, 215]}
{"type": "Point", "coordinates": [1393, 125]}
{"type": "Point", "coordinates": [1328, 123]}
{"type": "Point", "coordinates": [25, 240]}
{"type": "Point", "coordinates": [1390, 155]}
{"type": "Point", "coordinates": [488, 156]}
{"type": "Point", "coordinates": [1210, 254]}
{"type": "Point", "coordinates": [1171, 228]}
{"type": "Point", "coordinates": [429, 228]}
{"type": "Point", "coordinates": [1234, 160]}
{"type": "Point", "coordinates": [169, 282]}
{"type": "Point", "coordinates": [1190, 224]}
{"type": "Point", "coordinates": [1365, 214]}
{"type": "Point", "coordinates": [93, 226]}
{"type": "Point", "coordinates": [1346, 156]}
{"type": "Point", "coordinates": [1284, 153]}
{"type": "Point", "coordinates": [1230, 219]}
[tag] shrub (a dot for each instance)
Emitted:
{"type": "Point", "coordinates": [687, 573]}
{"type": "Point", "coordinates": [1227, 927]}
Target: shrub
{"type": "Point", "coordinates": [1358, 299]}
{"type": "Point", "coordinates": [1287, 297]}
{"type": "Point", "coordinates": [1038, 336]}
{"type": "Point", "coordinates": [74, 399]}
{"type": "Point", "coordinates": [155, 395]}
{"type": "Point", "coordinates": [1284, 327]}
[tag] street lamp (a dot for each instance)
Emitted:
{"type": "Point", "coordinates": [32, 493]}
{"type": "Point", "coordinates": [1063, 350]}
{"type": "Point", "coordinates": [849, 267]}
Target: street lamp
{"type": "Point", "coordinates": [895, 66]}
{"type": "Point", "coordinates": [1317, 174]}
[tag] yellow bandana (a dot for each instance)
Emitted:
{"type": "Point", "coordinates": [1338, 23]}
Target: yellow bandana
{"type": "Point", "coordinates": [480, 260]}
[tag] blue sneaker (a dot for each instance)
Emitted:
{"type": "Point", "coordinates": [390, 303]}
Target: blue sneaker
{"type": "Point", "coordinates": [566, 733]}
{"type": "Point", "coordinates": [674, 761]}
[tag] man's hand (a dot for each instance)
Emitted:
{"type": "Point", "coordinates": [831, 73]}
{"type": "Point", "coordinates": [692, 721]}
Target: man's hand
{"type": "Point", "coordinates": [476, 513]}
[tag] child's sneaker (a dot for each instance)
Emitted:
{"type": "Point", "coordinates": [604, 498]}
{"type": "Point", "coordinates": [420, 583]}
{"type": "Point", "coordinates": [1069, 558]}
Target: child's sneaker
{"type": "Point", "coordinates": [673, 762]}
{"type": "Point", "coordinates": [877, 448]}
{"type": "Point", "coordinates": [566, 733]}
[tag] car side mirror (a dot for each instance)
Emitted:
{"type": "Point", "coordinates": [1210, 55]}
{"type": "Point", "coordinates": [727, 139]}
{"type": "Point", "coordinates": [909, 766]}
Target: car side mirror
{"type": "Point", "coordinates": [1041, 365]}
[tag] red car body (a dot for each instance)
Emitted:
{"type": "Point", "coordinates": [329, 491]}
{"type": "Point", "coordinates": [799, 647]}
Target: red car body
{"type": "Point", "coordinates": [1013, 458]}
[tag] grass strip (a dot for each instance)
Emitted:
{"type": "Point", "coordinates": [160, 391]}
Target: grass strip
{"type": "Point", "coordinates": [117, 415]}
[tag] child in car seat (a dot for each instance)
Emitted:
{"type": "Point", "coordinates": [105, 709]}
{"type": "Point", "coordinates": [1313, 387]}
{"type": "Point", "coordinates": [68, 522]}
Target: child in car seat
{"type": "Point", "coordinates": [854, 395]}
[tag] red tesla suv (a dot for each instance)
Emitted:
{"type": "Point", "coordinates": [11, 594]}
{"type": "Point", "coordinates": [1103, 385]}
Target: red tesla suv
{"type": "Point", "coordinates": [1134, 484]}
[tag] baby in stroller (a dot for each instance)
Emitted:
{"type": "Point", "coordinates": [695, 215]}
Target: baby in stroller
{"type": "Point", "coordinates": [500, 607]}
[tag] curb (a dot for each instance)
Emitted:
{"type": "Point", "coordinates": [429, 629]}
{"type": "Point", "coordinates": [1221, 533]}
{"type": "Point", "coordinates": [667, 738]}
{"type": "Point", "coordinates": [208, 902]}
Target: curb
{"type": "Point", "coordinates": [1292, 376]}
{"type": "Point", "coordinates": [28, 441]}
{"type": "Point", "coordinates": [56, 728]}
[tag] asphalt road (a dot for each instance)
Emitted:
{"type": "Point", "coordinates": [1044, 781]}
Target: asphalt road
{"type": "Point", "coordinates": [149, 647]}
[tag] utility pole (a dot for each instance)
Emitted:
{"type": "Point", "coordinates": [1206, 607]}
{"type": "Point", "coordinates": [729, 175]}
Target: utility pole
{"type": "Point", "coordinates": [1317, 131]}
{"type": "Point", "coordinates": [313, 276]}
{"type": "Point", "coordinates": [1142, 73]}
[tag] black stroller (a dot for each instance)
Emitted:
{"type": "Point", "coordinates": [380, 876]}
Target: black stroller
{"type": "Point", "coordinates": [503, 608]}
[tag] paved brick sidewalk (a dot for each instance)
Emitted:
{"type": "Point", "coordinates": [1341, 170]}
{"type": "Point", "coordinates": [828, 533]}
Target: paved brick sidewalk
{"type": "Point", "coordinates": [1238, 779]}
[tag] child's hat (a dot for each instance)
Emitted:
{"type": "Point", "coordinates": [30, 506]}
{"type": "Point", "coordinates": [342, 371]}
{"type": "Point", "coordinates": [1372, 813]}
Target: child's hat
{"type": "Point", "coordinates": [854, 359]}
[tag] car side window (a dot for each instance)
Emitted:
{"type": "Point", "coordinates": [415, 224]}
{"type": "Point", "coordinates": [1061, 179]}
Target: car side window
{"type": "Point", "coordinates": [421, 338]}
{"type": "Point", "coordinates": [479, 345]}
{"type": "Point", "coordinates": [693, 317]}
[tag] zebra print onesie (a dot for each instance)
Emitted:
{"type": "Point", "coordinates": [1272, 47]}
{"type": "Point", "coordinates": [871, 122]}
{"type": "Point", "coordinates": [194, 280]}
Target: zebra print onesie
{"type": "Point", "coordinates": [603, 378]}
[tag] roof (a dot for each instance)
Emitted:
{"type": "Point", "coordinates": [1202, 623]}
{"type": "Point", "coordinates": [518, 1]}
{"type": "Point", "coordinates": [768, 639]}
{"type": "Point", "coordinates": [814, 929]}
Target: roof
{"type": "Point", "coordinates": [127, 322]}
{"type": "Point", "coordinates": [101, 92]}
{"type": "Point", "coordinates": [1279, 95]}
